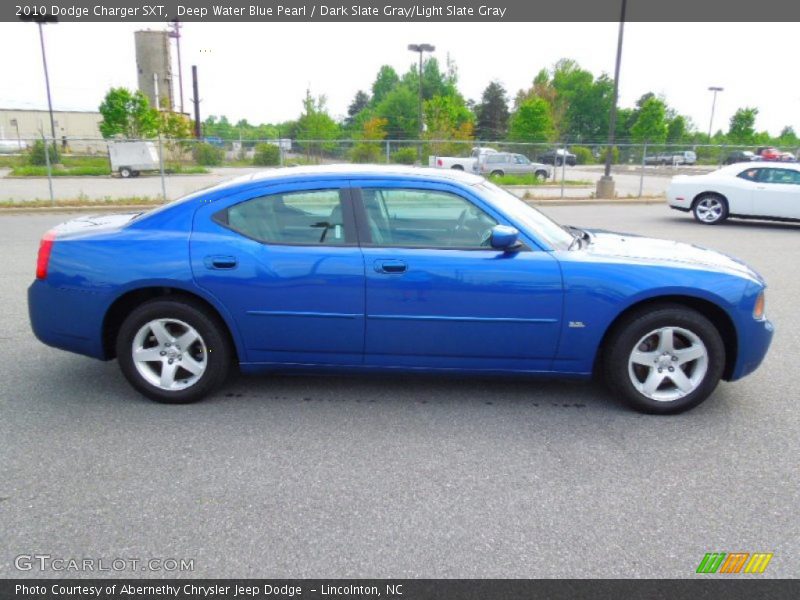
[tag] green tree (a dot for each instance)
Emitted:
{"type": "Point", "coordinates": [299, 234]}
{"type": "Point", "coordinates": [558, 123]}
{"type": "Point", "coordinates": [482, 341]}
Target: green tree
{"type": "Point", "coordinates": [384, 83]}
{"type": "Point", "coordinates": [448, 118]}
{"type": "Point", "coordinates": [492, 113]}
{"type": "Point", "coordinates": [368, 150]}
{"type": "Point", "coordinates": [531, 122]}
{"type": "Point", "coordinates": [316, 126]}
{"type": "Point", "coordinates": [742, 126]}
{"type": "Point", "coordinates": [677, 129]}
{"type": "Point", "coordinates": [359, 103]}
{"type": "Point", "coordinates": [400, 110]}
{"type": "Point", "coordinates": [127, 114]}
{"type": "Point", "coordinates": [651, 123]}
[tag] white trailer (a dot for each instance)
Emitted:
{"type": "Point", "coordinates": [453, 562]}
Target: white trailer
{"type": "Point", "coordinates": [131, 158]}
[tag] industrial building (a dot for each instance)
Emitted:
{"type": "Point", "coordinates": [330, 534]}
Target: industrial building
{"type": "Point", "coordinates": [80, 130]}
{"type": "Point", "coordinates": [154, 67]}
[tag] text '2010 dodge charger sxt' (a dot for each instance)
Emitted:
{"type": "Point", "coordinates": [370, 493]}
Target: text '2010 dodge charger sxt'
{"type": "Point", "coordinates": [391, 269]}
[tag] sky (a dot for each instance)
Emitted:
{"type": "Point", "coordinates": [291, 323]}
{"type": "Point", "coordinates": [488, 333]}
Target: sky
{"type": "Point", "coordinates": [260, 71]}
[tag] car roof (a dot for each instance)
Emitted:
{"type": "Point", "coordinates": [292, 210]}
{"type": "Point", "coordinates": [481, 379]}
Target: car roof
{"type": "Point", "coordinates": [760, 164]}
{"type": "Point", "coordinates": [347, 171]}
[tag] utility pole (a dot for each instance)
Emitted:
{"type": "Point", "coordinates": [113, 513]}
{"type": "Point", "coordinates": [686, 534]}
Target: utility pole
{"type": "Point", "coordinates": [714, 89]}
{"type": "Point", "coordinates": [175, 25]}
{"type": "Point", "coordinates": [420, 48]}
{"type": "Point", "coordinates": [197, 129]}
{"type": "Point", "coordinates": [605, 186]}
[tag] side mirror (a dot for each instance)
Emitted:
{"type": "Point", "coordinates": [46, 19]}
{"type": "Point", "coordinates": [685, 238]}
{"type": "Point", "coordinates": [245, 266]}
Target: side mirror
{"type": "Point", "coordinates": [503, 237]}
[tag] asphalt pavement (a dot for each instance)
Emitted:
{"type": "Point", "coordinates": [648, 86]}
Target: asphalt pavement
{"type": "Point", "coordinates": [279, 476]}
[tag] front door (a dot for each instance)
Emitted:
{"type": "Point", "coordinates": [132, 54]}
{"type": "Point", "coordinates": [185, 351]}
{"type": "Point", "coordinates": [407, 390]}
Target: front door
{"type": "Point", "coordinates": [436, 297]}
{"type": "Point", "coordinates": [286, 263]}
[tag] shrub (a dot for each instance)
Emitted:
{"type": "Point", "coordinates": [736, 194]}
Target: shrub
{"type": "Point", "coordinates": [405, 156]}
{"type": "Point", "coordinates": [583, 155]}
{"type": "Point", "coordinates": [267, 155]}
{"type": "Point", "coordinates": [207, 155]}
{"type": "Point", "coordinates": [614, 155]}
{"type": "Point", "coordinates": [366, 153]}
{"type": "Point", "coordinates": [36, 155]}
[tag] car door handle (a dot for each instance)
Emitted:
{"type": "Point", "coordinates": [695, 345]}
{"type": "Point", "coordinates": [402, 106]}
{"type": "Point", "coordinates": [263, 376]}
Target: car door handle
{"type": "Point", "coordinates": [390, 266]}
{"type": "Point", "coordinates": [220, 262]}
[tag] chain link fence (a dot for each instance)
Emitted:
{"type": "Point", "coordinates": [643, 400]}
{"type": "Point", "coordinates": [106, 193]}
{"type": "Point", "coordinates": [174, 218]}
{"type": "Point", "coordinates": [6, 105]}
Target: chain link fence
{"type": "Point", "coordinates": [163, 169]}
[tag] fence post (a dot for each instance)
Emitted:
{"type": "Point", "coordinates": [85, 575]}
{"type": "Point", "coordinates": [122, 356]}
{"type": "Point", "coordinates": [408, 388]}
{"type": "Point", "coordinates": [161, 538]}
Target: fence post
{"type": "Point", "coordinates": [161, 168]}
{"type": "Point", "coordinates": [387, 152]}
{"type": "Point", "coordinates": [641, 173]}
{"type": "Point", "coordinates": [49, 170]}
{"type": "Point", "coordinates": [563, 169]}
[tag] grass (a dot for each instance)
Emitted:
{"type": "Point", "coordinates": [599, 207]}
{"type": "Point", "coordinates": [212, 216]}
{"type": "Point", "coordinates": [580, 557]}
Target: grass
{"type": "Point", "coordinates": [531, 179]}
{"type": "Point", "coordinates": [35, 171]}
{"type": "Point", "coordinates": [82, 201]}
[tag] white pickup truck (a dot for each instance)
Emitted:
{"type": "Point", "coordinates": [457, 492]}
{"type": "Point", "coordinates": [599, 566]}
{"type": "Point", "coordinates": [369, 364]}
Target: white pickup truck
{"type": "Point", "coordinates": [459, 163]}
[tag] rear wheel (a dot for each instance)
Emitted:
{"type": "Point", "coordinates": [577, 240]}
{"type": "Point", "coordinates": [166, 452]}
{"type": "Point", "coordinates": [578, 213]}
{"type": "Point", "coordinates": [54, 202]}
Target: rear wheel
{"type": "Point", "coordinates": [496, 173]}
{"type": "Point", "coordinates": [125, 172]}
{"type": "Point", "coordinates": [710, 209]}
{"type": "Point", "coordinates": [457, 168]}
{"type": "Point", "coordinates": [664, 360]}
{"type": "Point", "coordinates": [173, 352]}
{"type": "Point", "coordinates": [540, 175]}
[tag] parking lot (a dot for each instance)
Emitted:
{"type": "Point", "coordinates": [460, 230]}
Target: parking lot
{"type": "Point", "coordinates": [401, 476]}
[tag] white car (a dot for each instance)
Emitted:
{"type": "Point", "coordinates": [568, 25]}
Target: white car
{"type": "Point", "coordinates": [757, 190]}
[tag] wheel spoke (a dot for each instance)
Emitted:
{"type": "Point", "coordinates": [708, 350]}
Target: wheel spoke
{"type": "Point", "coordinates": [187, 339]}
{"type": "Point", "coordinates": [654, 379]}
{"type": "Point", "coordinates": [681, 381]}
{"type": "Point", "coordinates": [194, 367]}
{"type": "Point", "coordinates": [689, 354]}
{"type": "Point", "coordinates": [161, 333]}
{"type": "Point", "coordinates": [666, 341]}
{"type": "Point", "coordinates": [646, 359]}
{"type": "Point", "coordinates": [147, 355]}
{"type": "Point", "coordinates": [168, 375]}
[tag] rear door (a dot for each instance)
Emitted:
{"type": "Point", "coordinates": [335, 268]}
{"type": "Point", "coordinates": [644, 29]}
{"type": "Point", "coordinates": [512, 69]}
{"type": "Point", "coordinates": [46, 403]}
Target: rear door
{"type": "Point", "coordinates": [437, 298]}
{"type": "Point", "coordinates": [285, 262]}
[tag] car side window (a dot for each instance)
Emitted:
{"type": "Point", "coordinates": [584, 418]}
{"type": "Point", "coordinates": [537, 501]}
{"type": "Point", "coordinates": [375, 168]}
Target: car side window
{"type": "Point", "coordinates": [780, 176]}
{"type": "Point", "coordinates": [308, 218]}
{"type": "Point", "coordinates": [750, 174]}
{"type": "Point", "coordinates": [424, 219]}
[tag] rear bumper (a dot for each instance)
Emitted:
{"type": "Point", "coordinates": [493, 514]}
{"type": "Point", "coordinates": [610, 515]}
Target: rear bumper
{"type": "Point", "coordinates": [66, 318]}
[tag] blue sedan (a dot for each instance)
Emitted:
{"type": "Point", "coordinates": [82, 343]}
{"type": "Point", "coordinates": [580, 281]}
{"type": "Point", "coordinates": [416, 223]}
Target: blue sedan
{"type": "Point", "coordinates": [347, 268]}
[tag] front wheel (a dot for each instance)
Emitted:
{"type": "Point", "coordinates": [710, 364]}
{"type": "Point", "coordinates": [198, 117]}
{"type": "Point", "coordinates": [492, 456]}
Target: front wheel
{"type": "Point", "coordinates": [496, 174]}
{"type": "Point", "coordinates": [173, 352]}
{"type": "Point", "coordinates": [125, 172]}
{"type": "Point", "coordinates": [710, 209]}
{"type": "Point", "coordinates": [664, 360]}
{"type": "Point", "coordinates": [540, 175]}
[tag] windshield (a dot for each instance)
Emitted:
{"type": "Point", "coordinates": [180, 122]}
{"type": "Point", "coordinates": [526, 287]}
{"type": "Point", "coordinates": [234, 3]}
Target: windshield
{"type": "Point", "coordinates": [542, 226]}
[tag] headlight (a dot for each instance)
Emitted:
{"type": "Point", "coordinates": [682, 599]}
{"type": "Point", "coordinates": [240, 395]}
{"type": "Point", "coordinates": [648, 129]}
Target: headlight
{"type": "Point", "coordinates": [758, 309]}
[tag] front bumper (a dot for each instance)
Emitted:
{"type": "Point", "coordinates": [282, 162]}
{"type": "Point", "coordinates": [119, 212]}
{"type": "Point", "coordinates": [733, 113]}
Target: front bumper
{"type": "Point", "coordinates": [753, 346]}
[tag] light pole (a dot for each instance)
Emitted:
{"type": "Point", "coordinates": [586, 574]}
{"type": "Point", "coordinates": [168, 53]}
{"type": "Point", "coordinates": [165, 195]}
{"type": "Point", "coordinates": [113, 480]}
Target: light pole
{"type": "Point", "coordinates": [605, 186]}
{"type": "Point", "coordinates": [42, 20]}
{"type": "Point", "coordinates": [420, 48]}
{"type": "Point", "coordinates": [175, 26]}
{"type": "Point", "coordinates": [713, 106]}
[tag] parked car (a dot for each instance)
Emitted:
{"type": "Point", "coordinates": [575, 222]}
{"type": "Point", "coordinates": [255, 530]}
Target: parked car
{"type": "Point", "coordinates": [459, 163]}
{"type": "Point", "coordinates": [761, 190]}
{"type": "Point", "coordinates": [380, 269]}
{"type": "Point", "coordinates": [740, 156]}
{"type": "Point", "coordinates": [772, 153]}
{"type": "Point", "coordinates": [680, 157]}
{"type": "Point", "coordinates": [507, 163]}
{"type": "Point", "coordinates": [557, 157]}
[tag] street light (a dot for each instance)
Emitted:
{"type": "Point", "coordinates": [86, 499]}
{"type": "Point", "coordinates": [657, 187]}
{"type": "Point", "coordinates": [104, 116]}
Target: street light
{"type": "Point", "coordinates": [420, 48]}
{"type": "Point", "coordinates": [40, 20]}
{"type": "Point", "coordinates": [605, 186]}
{"type": "Point", "coordinates": [713, 105]}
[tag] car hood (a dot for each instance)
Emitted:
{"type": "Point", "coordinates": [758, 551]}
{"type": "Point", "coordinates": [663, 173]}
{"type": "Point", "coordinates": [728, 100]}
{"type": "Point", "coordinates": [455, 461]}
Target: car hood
{"type": "Point", "coordinates": [669, 253]}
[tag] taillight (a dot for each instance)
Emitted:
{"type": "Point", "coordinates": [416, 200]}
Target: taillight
{"type": "Point", "coordinates": [45, 248]}
{"type": "Point", "coordinates": [439, 162]}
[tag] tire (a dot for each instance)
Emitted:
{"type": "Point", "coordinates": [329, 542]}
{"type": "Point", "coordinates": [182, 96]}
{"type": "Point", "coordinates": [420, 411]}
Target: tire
{"type": "Point", "coordinates": [710, 209]}
{"type": "Point", "coordinates": [696, 356]}
{"type": "Point", "coordinates": [540, 175]}
{"type": "Point", "coordinates": [135, 173]}
{"type": "Point", "coordinates": [209, 355]}
{"type": "Point", "coordinates": [125, 172]}
{"type": "Point", "coordinates": [457, 168]}
{"type": "Point", "coordinates": [497, 173]}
